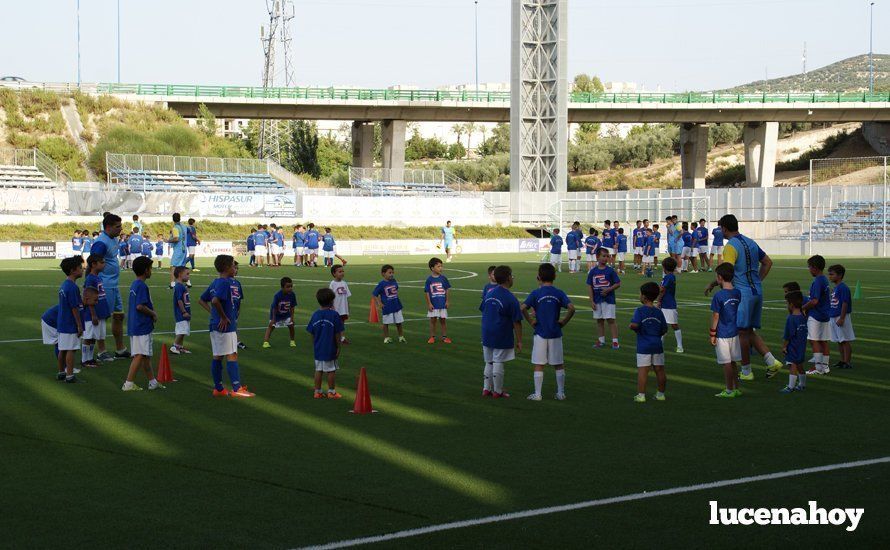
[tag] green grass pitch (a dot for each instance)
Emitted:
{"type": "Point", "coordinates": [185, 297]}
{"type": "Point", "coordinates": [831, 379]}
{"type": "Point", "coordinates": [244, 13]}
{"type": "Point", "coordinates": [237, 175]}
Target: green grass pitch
{"type": "Point", "coordinates": [89, 465]}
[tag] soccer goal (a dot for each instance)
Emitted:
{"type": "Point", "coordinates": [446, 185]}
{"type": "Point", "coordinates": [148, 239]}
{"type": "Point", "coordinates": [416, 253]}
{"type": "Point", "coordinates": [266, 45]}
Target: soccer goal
{"type": "Point", "coordinates": [594, 211]}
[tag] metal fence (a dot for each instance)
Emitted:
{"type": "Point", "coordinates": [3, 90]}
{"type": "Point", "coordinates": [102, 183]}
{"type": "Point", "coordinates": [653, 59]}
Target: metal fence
{"type": "Point", "coordinates": [167, 163]}
{"type": "Point", "coordinates": [849, 200]}
{"type": "Point", "coordinates": [408, 181]}
{"type": "Point", "coordinates": [37, 159]}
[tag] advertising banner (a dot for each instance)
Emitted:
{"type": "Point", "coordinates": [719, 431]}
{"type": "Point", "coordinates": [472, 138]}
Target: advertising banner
{"type": "Point", "coordinates": [38, 250]}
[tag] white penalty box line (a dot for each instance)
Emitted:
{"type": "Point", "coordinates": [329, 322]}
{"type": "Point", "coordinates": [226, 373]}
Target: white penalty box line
{"type": "Point", "coordinates": [595, 503]}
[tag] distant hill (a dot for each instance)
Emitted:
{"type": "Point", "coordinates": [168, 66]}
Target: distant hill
{"type": "Point", "coordinates": [848, 75]}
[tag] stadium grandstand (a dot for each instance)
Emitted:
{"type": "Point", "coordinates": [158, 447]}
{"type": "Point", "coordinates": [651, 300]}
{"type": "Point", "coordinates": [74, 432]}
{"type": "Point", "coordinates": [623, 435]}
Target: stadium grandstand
{"type": "Point", "coordinates": [386, 182]}
{"type": "Point", "coordinates": [29, 169]}
{"type": "Point", "coordinates": [197, 174]}
{"type": "Point", "coordinates": [851, 220]}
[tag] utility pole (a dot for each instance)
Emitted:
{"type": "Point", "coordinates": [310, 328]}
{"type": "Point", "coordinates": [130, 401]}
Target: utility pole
{"type": "Point", "coordinates": [804, 58]}
{"type": "Point", "coordinates": [871, 51]}
{"type": "Point", "coordinates": [277, 39]}
{"type": "Point", "coordinates": [477, 45]}
{"type": "Point", "coordinates": [78, 43]}
{"type": "Point", "coordinates": [118, 41]}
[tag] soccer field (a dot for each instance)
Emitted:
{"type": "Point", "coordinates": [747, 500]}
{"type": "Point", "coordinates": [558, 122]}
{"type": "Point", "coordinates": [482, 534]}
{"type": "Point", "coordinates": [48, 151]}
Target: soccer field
{"type": "Point", "coordinates": [89, 465]}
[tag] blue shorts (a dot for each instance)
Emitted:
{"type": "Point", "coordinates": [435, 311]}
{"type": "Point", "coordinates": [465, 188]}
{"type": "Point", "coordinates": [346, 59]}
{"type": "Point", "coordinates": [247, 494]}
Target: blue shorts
{"type": "Point", "coordinates": [750, 308]}
{"type": "Point", "coordinates": [113, 295]}
{"type": "Point", "coordinates": [179, 259]}
{"type": "Point", "coordinates": [449, 244]}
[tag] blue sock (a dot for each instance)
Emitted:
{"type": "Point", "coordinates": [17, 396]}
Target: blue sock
{"type": "Point", "coordinates": [216, 371]}
{"type": "Point", "coordinates": [234, 375]}
{"type": "Point", "coordinates": [56, 350]}
{"type": "Point", "coordinates": [192, 261]}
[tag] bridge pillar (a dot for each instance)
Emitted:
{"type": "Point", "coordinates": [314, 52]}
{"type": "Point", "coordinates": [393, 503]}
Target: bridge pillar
{"type": "Point", "coordinates": [362, 144]}
{"type": "Point", "coordinates": [693, 155]}
{"type": "Point", "coordinates": [394, 146]}
{"type": "Point", "coordinates": [761, 144]}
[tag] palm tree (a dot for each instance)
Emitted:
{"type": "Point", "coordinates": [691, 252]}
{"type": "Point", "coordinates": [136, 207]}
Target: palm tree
{"type": "Point", "coordinates": [458, 130]}
{"type": "Point", "coordinates": [469, 128]}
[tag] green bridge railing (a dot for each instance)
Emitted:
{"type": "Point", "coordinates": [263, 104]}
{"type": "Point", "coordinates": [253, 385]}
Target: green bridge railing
{"type": "Point", "coordinates": [347, 94]}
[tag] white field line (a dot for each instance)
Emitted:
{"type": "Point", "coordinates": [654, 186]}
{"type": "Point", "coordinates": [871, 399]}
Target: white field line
{"type": "Point", "coordinates": [596, 503]}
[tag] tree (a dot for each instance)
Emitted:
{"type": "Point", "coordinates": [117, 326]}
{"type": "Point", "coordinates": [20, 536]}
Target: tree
{"type": "Point", "coordinates": [206, 120]}
{"type": "Point", "coordinates": [499, 142]}
{"type": "Point", "coordinates": [584, 83]}
{"type": "Point", "coordinates": [469, 128]}
{"type": "Point", "coordinates": [302, 149]}
{"type": "Point", "coordinates": [457, 130]}
{"type": "Point", "coordinates": [456, 151]}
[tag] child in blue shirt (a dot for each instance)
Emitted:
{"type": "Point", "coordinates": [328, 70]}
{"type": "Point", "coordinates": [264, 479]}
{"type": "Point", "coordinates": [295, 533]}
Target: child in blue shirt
{"type": "Point", "coordinates": [437, 291]}
{"type": "Point", "coordinates": [48, 323]}
{"type": "Point", "coordinates": [222, 300]}
{"type": "Point", "coordinates": [794, 343]}
{"type": "Point", "coordinates": [649, 324]}
{"type": "Point", "coordinates": [547, 302]}
{"type": "Point", "coordinates": [69, 324]}
{"type": "Point", "coordinates": [281, 312]}
{"type": "Point", "coordinates": [141, 319]}
{"type": "Point", "coordinates": [329, 248]}
{"type": "Point", "coordinates": [326, 328]}
{"type": "Point", "coordinates": [491, 282]}
{"type": "Point", "coordinates": [147, 247]}
{"type": "Point", "coordinates": [312, 245]}
{"type": "Point", "coordinates": [622, 250]}
{"type": "Point", "coordinates": [701, 242]}
{"type": "Point", "coordinates": [841, 315]}
{"type": "Point", "coordinates": [556, 243]}
{"type": "Point", "coordinates": [817, 309]}
{"type": "Point", "coordinates": [501, 332]}
{"type": "Point", "coordinates": [386, 294]}
{"type": "Point", "coordinates": [591, 245]}
{"type": "Point", "coordinates": [602, 282]}
{"type": "Point", "coordinates": [649, 252]}
{"type": "Point", "coordinates": [667, 300]}
{"type": "Point", "coordinates": [572, 245]}
{"type": "Point", "coordinates": [159, 251]}
{"type": "Point", "coordinates": [182, 309]}
{"type": "Point", "coordinates": [94, 331]}
{"type": "Point", "coordinates": [724, 332]}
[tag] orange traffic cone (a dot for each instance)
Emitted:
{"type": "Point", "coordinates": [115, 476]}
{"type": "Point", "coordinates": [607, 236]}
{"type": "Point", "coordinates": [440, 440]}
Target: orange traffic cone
{"type": "Point", "coordinates": [373, 317]}
{"type": "Point", "coordinates": [362, 395]}
{"type": "Point", "coordinates": [165, 373]}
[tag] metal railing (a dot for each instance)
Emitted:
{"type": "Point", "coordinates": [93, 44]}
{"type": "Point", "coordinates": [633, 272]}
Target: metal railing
{"type": "Point", "coordinates": [376, 94]}
{"type": "Point", "coordinates": [405, 180]}
{"type": "Point", "coordinates": [37, 159]}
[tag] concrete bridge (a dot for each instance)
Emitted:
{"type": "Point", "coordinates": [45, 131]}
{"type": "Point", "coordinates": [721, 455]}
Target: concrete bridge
{"type": "Point", "coordinates": [760, 112]}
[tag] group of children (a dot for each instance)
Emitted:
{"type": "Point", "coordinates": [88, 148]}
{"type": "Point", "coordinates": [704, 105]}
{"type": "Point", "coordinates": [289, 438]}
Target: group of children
{"type": "Point", "coordinates": [136, 245]}
{"type": "Point", "coordinates": [265, 246]}
{"type": "Point", "coordinates": [78, 320]}
{"type": "Point", "coordinates": [687, 245]}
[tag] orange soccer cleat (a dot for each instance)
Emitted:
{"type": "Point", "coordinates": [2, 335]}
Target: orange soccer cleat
{"type": "Point", "coordinates": [221, 393]}
{"type": "Point", "coordinates": [242, 392]}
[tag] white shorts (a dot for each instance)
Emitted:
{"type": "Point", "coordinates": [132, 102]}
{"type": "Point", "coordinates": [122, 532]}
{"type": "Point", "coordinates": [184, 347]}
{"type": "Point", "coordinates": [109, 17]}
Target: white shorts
{"type": "Point", "coordinates": [604, 311]}
{"type": "Point", "coordinates": [50, 335]}
{"type": "Point", "coordinates": [555, 258]}
{"type": "Point", "coordinates": [694, 251]}
{"type": "Point", "coordinates": [132, 257]}
{"type": "Point", "coordinates": [650, 359]}
{"type": "Point", "coordinates": [326, 366]}
{"type": "Point", "coordinates": [298, 251]}
{"type": "Point", "coordinates": [671, 316]}
{"type": "Point", "coordinates": [573, 254]}
{"type": "Point", "coordinates": [609, 250]}
{"type": "Point", "coordinates": [686, 252]}
{"type": "Point", "coordinates": [259, 250]}
{"type": "Point", "coordinates": [844, 333]}
{"type": "Point", "coordinates": [274, 248]}
{"type": "Point", "coordinates": [717, 250]}
{"type": "Point", "coordinates": [495, 355]}
{"type": "Point", "coordinates": [393, 318]}
{"type": "Point", "coordinates": [284, 323]}
{"type": "Point", "coordinates": [648, 259]}
{"type": "Point", "coordinates": [728, 350]}
{"type": "Point", "coordinates": [141, 345]}
{"type": "Point", "coordinates": [638, 251]}
{"type": "Point", "coordinates": [437, 314]}
{"type": "Point", "coordinates": [94, 332]}
{"type": "Point", "coordinates": [818, 331]}
{"type": "Point", "coordinates": [620, 256]}
{"type": "Point", "coordinates": [68, 342]}
{"type": "Point", "coordinates": [191, 251]}
{"type": "Point", "coordinates": [223, 343]}
{"type": "Point", "coordinates": [183, 328]}
{"type": "Point", "coordinates": [547, 351]}
{"type": "Point", "coordinates": [591, 257]}
{"type": "Point", "coordinates": [329, 253]}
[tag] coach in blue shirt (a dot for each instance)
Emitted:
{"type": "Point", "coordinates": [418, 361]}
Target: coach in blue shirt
{"type": "Point", "coordinates": [107, 245]}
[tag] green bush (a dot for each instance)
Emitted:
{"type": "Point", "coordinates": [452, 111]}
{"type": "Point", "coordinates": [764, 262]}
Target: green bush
{"type": "Point", "coordinates": [729, 175]}
{"type": "Point", "coordinates": [65, 154]}
{"type": "Point", "coordinates": [35, 102]}
{"type": "Point", "coordinates": [456, 151]}
{"type": "Point", "coordinates": [20, 140]}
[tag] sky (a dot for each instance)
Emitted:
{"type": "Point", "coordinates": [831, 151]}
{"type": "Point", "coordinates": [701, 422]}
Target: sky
{"type": "Point", "coordinates": [671, 44]}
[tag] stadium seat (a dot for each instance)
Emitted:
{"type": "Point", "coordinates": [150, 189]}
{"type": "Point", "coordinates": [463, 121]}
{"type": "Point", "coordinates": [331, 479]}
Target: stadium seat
{"type": "Point", "coordinates": [24, 177]}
